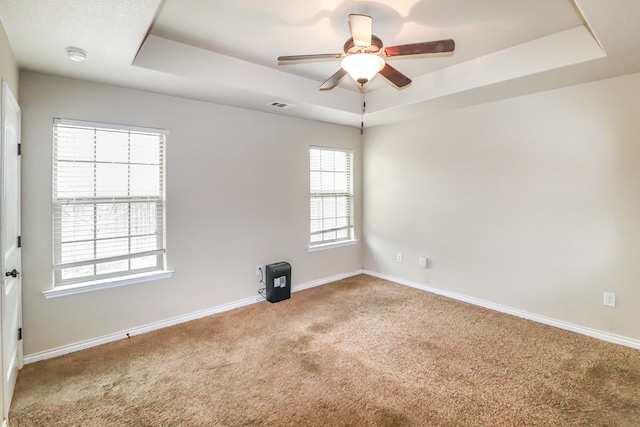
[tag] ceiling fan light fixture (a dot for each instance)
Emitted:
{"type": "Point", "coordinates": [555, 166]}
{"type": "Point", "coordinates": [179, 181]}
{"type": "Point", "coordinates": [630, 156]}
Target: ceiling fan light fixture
{"type": "Point", "coordinates": [362, 67]}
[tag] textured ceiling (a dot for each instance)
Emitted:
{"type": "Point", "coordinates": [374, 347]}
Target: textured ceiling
{"type": "Point", "coordinates": [225, 51]}
{"type": "Point", "coordinates": [261, 31]}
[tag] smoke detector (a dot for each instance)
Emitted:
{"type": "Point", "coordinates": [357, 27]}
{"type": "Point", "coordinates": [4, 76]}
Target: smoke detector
{"type": "Point", "coordinates": [76, 54]}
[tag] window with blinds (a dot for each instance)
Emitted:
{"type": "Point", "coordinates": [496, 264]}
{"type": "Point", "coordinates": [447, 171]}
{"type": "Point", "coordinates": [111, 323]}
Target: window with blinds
{"type": "Point", "coordinates": [331, 181]}
{"type": "Point", "coordinates": [108, 201]}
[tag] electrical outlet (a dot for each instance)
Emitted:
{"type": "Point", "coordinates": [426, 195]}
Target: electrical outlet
{"type": "Point", "coordinates": [258, 270]}
{"type": "Point", "coordinates": [399, 257]}
{"type": "Point", "coordinates": [610, 299]}
{"type": "Point", "coordinates": [423, 262]}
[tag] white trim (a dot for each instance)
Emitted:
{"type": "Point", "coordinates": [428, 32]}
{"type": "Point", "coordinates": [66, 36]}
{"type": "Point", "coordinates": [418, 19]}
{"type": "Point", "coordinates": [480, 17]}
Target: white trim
{"type": "Point", "coordinates": [97, 285]}
{"type": "Point", "coordinates": [324, 281]}
{"type": "Point", "coordinates": [83, 345]}
{"type": "Point", "coordinates": [99, 125]}
{"type": "Point", "coordinates": [593, 333]}
{"type": "Point", "coordinates": [340, 244]}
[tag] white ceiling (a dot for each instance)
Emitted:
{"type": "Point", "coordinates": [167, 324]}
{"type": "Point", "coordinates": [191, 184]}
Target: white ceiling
{"type": "Point", "coordinates": [225, 51]}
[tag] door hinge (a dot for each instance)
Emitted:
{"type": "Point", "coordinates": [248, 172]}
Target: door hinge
{"type": "Point", "coordinates": [19, 149]}
{"type": "Point", "coordinates": [19, 241]}
{"type": "Point", "coordinates": [19, 334]}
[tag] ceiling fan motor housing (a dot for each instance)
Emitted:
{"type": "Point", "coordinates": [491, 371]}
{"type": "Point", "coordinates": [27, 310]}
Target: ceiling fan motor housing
{"type": "Point", "coordinates": [350, 47]}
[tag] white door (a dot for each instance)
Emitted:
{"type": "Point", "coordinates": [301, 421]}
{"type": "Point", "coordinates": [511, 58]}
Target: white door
{"type": "Point", "coordinates": [11, 295]}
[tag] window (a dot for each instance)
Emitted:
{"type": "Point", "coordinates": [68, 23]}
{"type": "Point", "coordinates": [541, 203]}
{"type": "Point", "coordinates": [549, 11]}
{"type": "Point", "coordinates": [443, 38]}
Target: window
{"type": "Point", "coordinates": [331, 181]}
{"type": "Point", "coordinates": [108, 201]}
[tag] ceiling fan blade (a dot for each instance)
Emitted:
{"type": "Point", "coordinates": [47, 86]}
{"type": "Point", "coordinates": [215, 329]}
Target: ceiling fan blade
{"type": "Point", "coordinates": [394, 76]}
{"type": "Point", "coordinates": [333, 81]}
{"type": "Point", "coordinates": [438, 46]}
{"type": "Point", "coordinates": [310, 57]}
{"type": "Point", "coordinates": [360, 27]}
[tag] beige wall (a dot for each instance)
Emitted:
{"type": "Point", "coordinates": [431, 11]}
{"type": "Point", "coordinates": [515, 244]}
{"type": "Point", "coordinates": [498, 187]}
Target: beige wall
{"type": "Point", "coordinates": [237, 196]}
{"type": "Point", "coordinates": [532, 203]}
{"type": "Point", "coordinates": [8, 66]}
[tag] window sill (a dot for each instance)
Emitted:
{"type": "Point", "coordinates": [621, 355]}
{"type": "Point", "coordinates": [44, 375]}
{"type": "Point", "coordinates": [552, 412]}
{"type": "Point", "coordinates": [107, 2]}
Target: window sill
{"type": "Point", "coordinates": [340, 244]}
{"type": "Point", "coordinates": [62, 291]}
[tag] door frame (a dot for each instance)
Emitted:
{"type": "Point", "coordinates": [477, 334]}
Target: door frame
{"type": "Point", "coordinates": [6, 98]}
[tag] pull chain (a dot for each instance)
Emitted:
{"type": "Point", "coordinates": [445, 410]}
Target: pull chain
{"type": "Point", "coordinates": [364, 106]}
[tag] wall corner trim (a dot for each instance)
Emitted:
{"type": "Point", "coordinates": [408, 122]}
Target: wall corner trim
{"type": "Point", "coordinates": [593, 333]}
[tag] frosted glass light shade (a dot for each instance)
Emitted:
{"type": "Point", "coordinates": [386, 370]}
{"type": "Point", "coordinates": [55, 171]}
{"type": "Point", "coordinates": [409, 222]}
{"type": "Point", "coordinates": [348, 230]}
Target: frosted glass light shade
{"type": "Point", "coordinates": [362, 66]}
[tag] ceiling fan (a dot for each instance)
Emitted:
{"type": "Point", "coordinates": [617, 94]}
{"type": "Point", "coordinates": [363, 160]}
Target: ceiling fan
{"type": "Point", "coordinates": [364, 55]}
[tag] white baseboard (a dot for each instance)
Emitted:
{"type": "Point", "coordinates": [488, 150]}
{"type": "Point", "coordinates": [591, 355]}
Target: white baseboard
{"type": "Point", "coordinates": [82, 345]}
{"type": "Point", "coordinates": [594, 333]}
{"type": "Point", "coordinates": [324, 281]}
{"type": "Point", "coordinates": [70, 348]}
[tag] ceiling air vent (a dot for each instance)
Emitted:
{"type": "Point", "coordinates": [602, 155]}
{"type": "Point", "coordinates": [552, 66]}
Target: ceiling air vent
{"type": "Point", "coordinates": [280, 104]}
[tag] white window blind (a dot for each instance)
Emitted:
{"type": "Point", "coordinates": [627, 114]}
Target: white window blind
{"type": "Point", "coordinates": [331, 195]}
{"type": "Point", "coordinates": [108, 200]}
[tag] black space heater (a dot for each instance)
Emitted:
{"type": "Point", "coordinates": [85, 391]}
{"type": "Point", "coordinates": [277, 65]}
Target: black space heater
{"type": "Point", "coordinates": [278, 285]}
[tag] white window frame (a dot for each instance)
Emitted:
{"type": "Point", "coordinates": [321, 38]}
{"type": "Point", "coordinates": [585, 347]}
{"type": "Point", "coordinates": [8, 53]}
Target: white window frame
{"type": "Point", "coordinates": [329, 225]}
{"type": "Point", "coordinates": [154, 247]}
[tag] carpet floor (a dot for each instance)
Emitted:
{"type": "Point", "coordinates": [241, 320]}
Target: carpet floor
{"type": "Point", "coordinates": [358, 352]}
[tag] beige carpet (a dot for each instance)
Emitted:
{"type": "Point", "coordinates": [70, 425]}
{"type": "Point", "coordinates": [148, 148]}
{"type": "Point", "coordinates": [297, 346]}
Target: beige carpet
{"type": "Point", "coordinates": [359, 352]}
